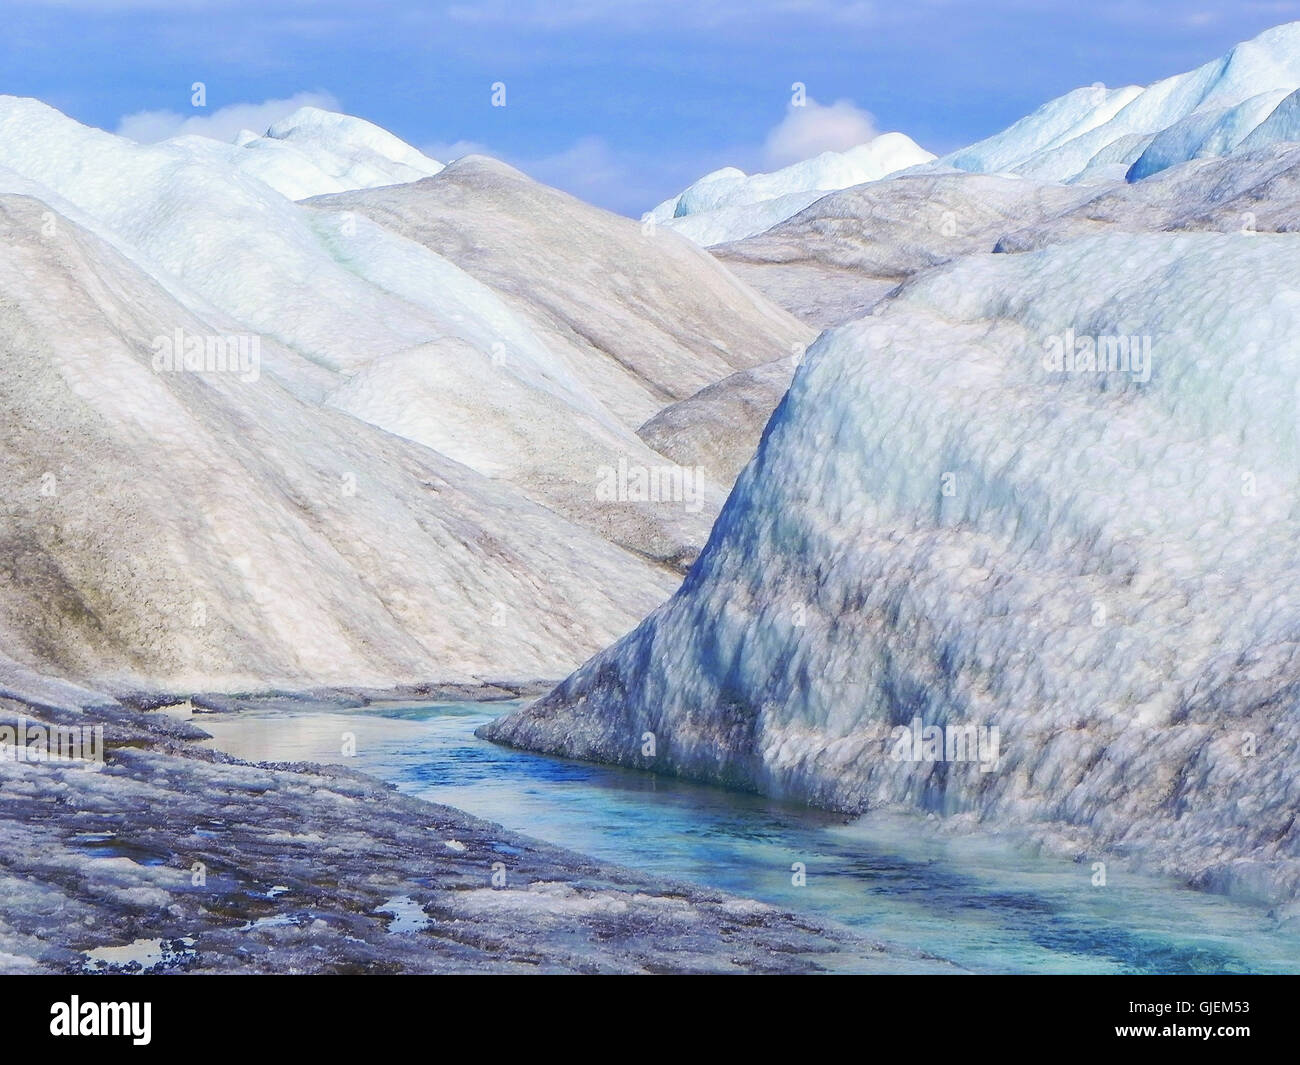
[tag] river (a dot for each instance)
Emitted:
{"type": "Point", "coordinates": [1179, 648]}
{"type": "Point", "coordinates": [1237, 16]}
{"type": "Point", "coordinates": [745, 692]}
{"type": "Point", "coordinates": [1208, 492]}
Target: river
{"type": "Point", "coordinates": [978, 902]}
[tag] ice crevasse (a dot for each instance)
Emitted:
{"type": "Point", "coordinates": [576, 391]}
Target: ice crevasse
{"type": "Point", "coordinates": [943, 523]}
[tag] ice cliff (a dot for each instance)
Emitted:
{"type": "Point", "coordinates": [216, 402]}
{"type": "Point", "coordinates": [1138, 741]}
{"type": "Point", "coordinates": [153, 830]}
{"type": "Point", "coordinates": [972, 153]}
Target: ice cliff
{"type": "Point", "coordinates": [942, 523]}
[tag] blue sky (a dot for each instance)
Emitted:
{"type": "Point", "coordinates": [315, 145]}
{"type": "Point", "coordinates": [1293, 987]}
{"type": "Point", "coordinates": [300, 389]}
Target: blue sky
{"type": "Point", "coordinates": [622, 103]}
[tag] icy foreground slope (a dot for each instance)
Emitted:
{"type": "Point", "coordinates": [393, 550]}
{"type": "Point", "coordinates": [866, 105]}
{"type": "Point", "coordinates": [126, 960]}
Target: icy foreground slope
{"type": "Point", "coordinates": [730, 205]}
{"type": "Point", "coordinates": [938, 526]}
{"type": "Point", "coordinates": [1245, 98]}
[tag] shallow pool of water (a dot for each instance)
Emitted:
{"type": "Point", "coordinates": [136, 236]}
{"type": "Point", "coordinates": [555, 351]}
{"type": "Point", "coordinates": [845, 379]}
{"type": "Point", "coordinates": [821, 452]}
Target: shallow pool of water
{"type": "Point", "coordinates": [977, 902]}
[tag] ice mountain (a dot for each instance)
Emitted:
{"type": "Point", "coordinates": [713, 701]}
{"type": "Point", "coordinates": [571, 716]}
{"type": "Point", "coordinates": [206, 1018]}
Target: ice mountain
{"type": "Point", "coordinates": [405, 487]}
{"type": "Point", "coordinates": [940, 525]}
{"type": "Point", "coordinates": [351, 152]}
{"type": "Point", "coordinates": [393, 331]}
{"type": "Point", "coordinates": [1245, 98]}
{"type": "Point", "coordinates": [314, 152]}
{"type": "Point", "coordinates": [729, 204]}
{"type": "Point", "coordinates": [191, 532]}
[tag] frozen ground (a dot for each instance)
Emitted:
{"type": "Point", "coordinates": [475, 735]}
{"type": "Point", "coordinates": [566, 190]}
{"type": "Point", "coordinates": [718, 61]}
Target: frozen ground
{"type": "Point", "coordinates": [172, 858]}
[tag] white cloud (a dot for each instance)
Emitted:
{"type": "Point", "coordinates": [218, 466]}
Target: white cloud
{"type": "Point", "coordinates": [815, 128]}
{"type": "Point", "coordinates": [147, 127]}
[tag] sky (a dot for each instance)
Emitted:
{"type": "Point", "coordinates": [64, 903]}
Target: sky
{"type": "Point", "coordinates": [620, 102]}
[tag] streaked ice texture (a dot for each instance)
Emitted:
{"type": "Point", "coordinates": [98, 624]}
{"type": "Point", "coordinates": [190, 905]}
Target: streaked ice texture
{"type": "Point", "coordinates": [937, 525]}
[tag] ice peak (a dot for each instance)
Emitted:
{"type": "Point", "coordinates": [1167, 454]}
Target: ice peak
{"type": "Point", "coordinates": [728, 204]}
{"type": "Point", "coordinates": [1095, 134]}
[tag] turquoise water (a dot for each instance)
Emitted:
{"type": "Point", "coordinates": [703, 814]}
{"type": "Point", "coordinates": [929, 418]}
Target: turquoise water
{"type": "Point", "coordinates": [976, 902]}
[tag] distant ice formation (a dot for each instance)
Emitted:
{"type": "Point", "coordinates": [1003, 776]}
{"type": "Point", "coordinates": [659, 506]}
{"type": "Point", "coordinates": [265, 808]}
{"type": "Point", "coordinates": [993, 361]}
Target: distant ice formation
{"type": "Point", "coordinates": [730, 205]}
{"type": "Point", "coordinates": [1242, 99]}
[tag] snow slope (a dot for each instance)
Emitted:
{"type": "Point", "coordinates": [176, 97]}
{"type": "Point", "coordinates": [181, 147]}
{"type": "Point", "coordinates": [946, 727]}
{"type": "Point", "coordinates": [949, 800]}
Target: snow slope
{"type": "Point", "coordinates": [837, 258]}
{"type": "Point", "coordinates": [832, 261]}
{"type": "Point", "coordinates": [393, 332]}
{"type": "Point", "coordinates": [198, 531]}
{"type": "Point", "coordinates": [730, 205]}
{"type": "Point", "coordinates": [314, 152]}
{"type": "Point", "coordinates": [646, 317]}
{"type": "Point", "coordinates": [938, 526]}
{"type": "Point", "coordinates": [718, 428]}
{"type": "Point", "coordinates": [1096, 134]}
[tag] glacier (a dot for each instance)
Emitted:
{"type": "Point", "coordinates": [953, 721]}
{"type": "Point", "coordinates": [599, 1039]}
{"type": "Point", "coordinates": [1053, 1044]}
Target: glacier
{"type": "Point", "coordinates": [1096, 134]}
{"type": "Point", "coordinates": [999, 446]}
{"type": "Point", "coordinates": [1245, 100]}
{"type": "Point", "coordinates": [951, 524]}
{"type": "Point", "coordinates": [937, 525]}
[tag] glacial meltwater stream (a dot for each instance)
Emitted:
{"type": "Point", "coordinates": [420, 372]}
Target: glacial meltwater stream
{"type": "Point", "coordinates": [978, 903]}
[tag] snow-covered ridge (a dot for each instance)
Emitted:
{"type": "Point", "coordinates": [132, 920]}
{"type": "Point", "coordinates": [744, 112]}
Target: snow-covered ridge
{"type": "Point", "coordinates": [729, 204]}
{"type": "Point", "coordinates": [1243, 98]}
{"type": "Point", "coordinates": [315, 152]}
{"type": "Point", "coordinates": [390, 330]}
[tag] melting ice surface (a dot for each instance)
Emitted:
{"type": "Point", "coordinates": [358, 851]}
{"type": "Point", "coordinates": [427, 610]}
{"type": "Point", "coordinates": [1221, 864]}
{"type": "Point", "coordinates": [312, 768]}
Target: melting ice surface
{"type": "Point", "coordinates": [976, 902]}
